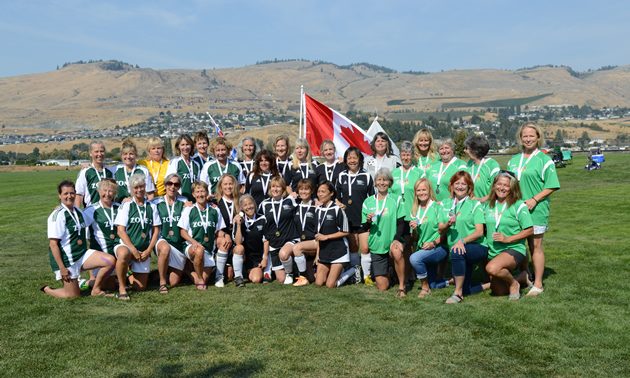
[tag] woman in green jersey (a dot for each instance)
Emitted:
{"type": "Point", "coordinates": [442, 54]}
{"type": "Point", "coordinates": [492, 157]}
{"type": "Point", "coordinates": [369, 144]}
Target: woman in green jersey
{"type": "Point", "coordinates": [122, 172]}
{"type": "Point", "coordinates": [537, 176]}
{"type": "Point", "coordinates": [90, 175]}
{"type": "Point", "coordinates": [482, 169]}
{"type": "Point", "coordinates": [441, 172]}
{"type": "Point", "coordinates": [426, 151]}
{"type": "Point", "coordinates": [508, 224]}
{"type": "Point", "coordinates": [184, 165]}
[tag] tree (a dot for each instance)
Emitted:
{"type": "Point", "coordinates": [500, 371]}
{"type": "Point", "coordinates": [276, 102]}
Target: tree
{"type": "Point", "coordinates": [261, 122]}
{"type": "Point", "coordinates": [168, 147]}
{"type": "Point", "coordinates": [35, 154]}
{"type": "Point", "coordinates": [584, 139]}
{"type": "Point", "coordinates": [459, 143]}
{"type": "Point", "coordinates": [475, 119]}
{"type": "Point", "coordinates": [558, 140]}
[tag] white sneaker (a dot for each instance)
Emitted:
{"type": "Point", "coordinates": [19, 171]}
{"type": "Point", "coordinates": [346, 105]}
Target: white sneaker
{"type": "Point", "coordinates": [219, 282]}
{"type": "Point", "coordinates": [288, 280]}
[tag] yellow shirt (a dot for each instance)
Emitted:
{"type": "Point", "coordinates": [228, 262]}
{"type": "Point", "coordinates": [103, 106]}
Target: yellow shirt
{"type": "Point", "coordinates": [158, 172]}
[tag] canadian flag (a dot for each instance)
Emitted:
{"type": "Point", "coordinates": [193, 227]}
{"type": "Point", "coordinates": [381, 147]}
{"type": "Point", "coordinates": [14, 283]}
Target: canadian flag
{"type": "Point", "coordinates": [322, 122]}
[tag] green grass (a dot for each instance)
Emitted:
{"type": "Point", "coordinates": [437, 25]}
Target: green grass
{"type": "Point", "coordinates": [421, 116]}
{"type": "Point", "coordinates": [402, 102]}
{"type": "Point", "coordinates": [497, 103]}
{"type": "Point", "coordinates": [578, 327]}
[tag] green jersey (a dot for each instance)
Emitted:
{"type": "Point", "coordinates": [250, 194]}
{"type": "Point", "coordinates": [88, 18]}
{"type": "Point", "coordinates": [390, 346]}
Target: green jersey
{"type": "Point", "coordinates": [69, 228]}
{"type": "Point", "coordinates": [122, 179]}
{"type": "Point", "coordinates": [383, 227]}
{"type": "Point", "coordinates": [536, 173]}
{"type": "Point", "coordinates": [189, 172]}
{"type": "Point", "coordinates": [103, 232]}
{"type": "Point", "coordinates": [202, 225]}
{"type": "Point", "coordinates": [483, 175]}
{"type": "Point", "coordinates": [440, 176]}
{"type": "Point", "coordinates": [510, 220]}
{"type": "Point", "coordinates": [427, 220]}
{"type": "Point", "coordinates": [86, 183]}
{"type": "Point", "coordinates": [469, 213]}
{"type": "Point", "coordinates": [403, 186]}
{"type": "Point", "coordinates": [138, 219]}
{"type": "Point", "coordinates": [170, 215]}
{"type": "Point", "coordinates": [213, 170]}
{"type": "Point", "coordinates": [424, 164]}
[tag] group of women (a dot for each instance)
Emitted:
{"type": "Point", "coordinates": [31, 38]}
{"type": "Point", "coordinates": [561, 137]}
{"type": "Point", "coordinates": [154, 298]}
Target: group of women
{"type": "Point", "coordinates": [380, 220]}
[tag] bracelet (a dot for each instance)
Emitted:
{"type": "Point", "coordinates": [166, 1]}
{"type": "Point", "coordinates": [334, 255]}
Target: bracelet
{"type": "Point", "coordinates": [534, 198]}
{"type": "Point", "coordinates": [462, 240]}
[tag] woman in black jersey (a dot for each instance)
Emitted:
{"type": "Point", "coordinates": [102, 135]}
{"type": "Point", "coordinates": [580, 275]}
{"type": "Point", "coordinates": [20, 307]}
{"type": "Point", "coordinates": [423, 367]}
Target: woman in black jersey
{"type": "Point", "coordinates": [332, 230]}
{"type": "Point", "coordinates": [282, 149]}
{"type": "Point", "coordinates": [280, 231]}
{"type": "Point", "coordinates": [353, 186]}
{"type": "Point", "coordinates": [306, 220]}
{"type": "Point", "coordinates": [257, 183]}
{"type": "Point", "coordinates": [245, 153]}
{"type": "Point", "coordinates": [250, 239]}
{"type": "Point", "coordinates": [227, 196]}
{"type": "Point", "coordinates": [302, 167]}
{"type": "Point", "coordinates": [330, 169]}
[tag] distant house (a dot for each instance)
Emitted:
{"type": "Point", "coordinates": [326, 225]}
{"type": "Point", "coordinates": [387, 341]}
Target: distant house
{"type": "Point", "coordinates": [59, 162]}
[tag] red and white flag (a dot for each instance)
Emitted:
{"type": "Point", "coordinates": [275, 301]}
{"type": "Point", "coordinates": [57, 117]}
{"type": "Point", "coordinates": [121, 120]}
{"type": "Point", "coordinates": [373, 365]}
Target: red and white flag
{"type": "Point", "coordinates": [324, 123]}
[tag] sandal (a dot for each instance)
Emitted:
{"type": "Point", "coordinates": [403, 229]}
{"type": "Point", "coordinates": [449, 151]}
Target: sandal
{"type": "Point", "coordinates": [124, 297]}
{"type": "Point", "coordinates": [455, 298]}
{"type": "Point", "coordinates": [424, 293]}
{"type": "Point", "coordinates": [515, 297]}
{"type": "Point", "coordinates": [43, 288]}
{"type": "Point", "coordinates": [163, 289]}
{"type": "Point", "coordinates": [401, 293]}
{"type": "Point", "coordinates": [534, 291]}
{"type": "Point", "coordinates": [203, 286]}
{"type": "Point", "coordinates": [104, 294]}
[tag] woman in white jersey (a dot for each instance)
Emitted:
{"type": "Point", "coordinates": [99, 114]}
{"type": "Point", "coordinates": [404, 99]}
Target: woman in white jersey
{"type": "Point", "coordinates": [122, 172]}
{"type": "Point", "coordinates": [282, 148]}
{"type": "Point", "coordinates": [245, 152]}
{"type": "Point", "coordinates": [89, 177]}
{"type": "Point", "coordinates": [184, 165]}
{"type": "Point", "coordinates": [382, 155]}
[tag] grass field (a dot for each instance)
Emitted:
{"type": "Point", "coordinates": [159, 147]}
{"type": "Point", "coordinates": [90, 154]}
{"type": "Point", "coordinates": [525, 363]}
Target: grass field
{"type": "Point", "coordinates": [496, 103]}
{"type": "Point", "coordinates": [577, 327]}
{"type": "Point", "coordinates": [422, 116]}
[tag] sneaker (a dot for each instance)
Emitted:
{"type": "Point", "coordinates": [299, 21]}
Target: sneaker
{"type": "Point", "coordinates": [238, 281]}
{"type": "Point", "coordinates": [288, 280]}
{"type": "Point", "coordinates": [301, 281]}
{"type": "Point", "coordinates": [369, 282]}
{"type": "Point", "coordinates": [357, 274]}
{"type": "Point", "coordinates": [84, 284]}
{"type": "Point", "coordinates": [267, 278]}
{"type": "Point", "coordinates": [219, 282]}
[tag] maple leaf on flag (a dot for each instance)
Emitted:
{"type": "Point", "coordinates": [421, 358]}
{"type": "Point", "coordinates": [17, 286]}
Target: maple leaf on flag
{"type": "Point", "coordinates": [354, 138]}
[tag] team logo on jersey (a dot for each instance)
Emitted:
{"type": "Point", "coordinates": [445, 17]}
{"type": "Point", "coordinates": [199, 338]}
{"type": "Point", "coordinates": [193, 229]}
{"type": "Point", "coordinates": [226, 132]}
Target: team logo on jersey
{"type": "Point", "coordinates": [286, 207]}
{"type": "Point", "coordinates": [121, 183]}
{"type": "Point", "coordinates": [167, 219]}
{"type": "Point", "coordinates": [360, 182]}
{"type": "Point", "coordinates": [310, 215]}
{"type": "Point", "coordinates": [133, 220]}
{"type": "Point", "coordinates": [329, 217]}
{"type": "Point", "coordinates": [186, 176]}
{"type": "Point", "coordinates": [201, 224]}
{"type": "Point", "coordinates": [93, 185]}
{"type": "Point", "coordinates": [259, 227]}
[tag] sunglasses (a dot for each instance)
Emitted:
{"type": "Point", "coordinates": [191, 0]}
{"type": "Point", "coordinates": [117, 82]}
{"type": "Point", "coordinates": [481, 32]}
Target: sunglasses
{"type": "Point", "coordinates": [508, 172]}
{"type": "Point", "coordinates": [176, 184]}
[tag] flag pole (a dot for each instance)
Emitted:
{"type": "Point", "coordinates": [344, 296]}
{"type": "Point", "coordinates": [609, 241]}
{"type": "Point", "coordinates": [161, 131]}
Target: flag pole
{"type": "Point", "coordinates": [304, 99]}
{"type": "Point", "coordinates": [301, 99]}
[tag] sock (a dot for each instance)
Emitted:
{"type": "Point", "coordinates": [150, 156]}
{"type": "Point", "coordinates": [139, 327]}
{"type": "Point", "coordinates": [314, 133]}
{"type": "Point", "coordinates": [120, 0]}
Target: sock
{"type": "Point", "coordinates": [267, 270]}
{"type": "Point", "coordinates": [300, 261]}
{"type": "Point", "coordinates": [288, 265]}
{"type": "Point", "coordinates": [366, 265]}
{"type": "Point", "coordinates": [221, 260]}
{"type": "Point", "coordinates": [344, 276]}
{"type": "Point", "coordinates": [354, 259]}
{"type": "Point", "coordinates": [237, 261]}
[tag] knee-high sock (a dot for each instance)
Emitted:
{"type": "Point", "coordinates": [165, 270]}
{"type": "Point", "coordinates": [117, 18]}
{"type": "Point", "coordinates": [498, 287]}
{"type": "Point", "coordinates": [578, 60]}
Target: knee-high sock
{"type": "Point", "coordinates": [300, 261]}
{"type": "Point", "coordinates": [354, 259]}
{"type": "Point", "coordinates": [366, 264]}
{"type": "Point", "coordinates": [288, 265]}
{"type": "Point", "coordinates": [221, 260]}
{"type": "Point", "coordinates": [237, 261]}
{"type": "Point", "coordinates": [345, 275]}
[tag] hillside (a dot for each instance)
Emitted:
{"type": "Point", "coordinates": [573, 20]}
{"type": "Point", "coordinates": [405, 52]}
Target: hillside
{"type": "Point", "coordinates": [88, 96]}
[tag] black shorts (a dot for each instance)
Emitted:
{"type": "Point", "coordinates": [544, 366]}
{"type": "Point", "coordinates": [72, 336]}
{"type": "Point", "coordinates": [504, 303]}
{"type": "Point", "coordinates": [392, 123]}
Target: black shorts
{"type": "Point", "coordinates": [406, 228]}
{"type": "Point", "coordinates": [518, 257]}
{"type": "Point", "coordinates": [251, 263]}
{"type": "Point", "coordinates": [276, 263]}
{"type": "Point", "coordinates": [356, 229]}
{"type": "Point", "coordinates": [380, 264]}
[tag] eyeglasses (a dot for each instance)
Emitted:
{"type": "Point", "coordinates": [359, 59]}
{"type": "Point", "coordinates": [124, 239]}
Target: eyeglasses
{"type": "Point", "coordinates": [176, 184]}
{"type": "Point", "coordinates": [110, 180]}
{"type": "Point", "coordinates": [508, 172]}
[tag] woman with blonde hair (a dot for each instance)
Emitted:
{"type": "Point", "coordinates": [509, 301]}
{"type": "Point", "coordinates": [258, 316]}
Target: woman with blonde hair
{"type": "Point", "coordinates": [441, 172]}
{"type": "Point", "coordinates": [332, 167]}
{"type": "Point", "coordinates": [227, 196]}
{"type": "Point", "coordinates": [156, 163]}
{"type": "Point", "coordinates": [426, 151]}
{"type": "Point", "coordinates": [201, 145]}
{"type": "Point", "coordinates": [249, 239]}
{"type": "Point", "coordinates": [122, 172]}
{"type": "Point", "coordinates": [303, 167]}
{"type": "Point", "coordinates": [90, 175]}
{"type": "Point", "coordinates": [221, 148]}
{"type": "Point", "coordinates": [184, 165]}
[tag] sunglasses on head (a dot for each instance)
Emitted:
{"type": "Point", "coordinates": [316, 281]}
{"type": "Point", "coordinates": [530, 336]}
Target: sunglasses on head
{"type": "Point", "coordinates": [110, 180]}
{"type": "Point", "coordinates": [171, 183]}
{"type": "Point", "coordinates": [508, 172]}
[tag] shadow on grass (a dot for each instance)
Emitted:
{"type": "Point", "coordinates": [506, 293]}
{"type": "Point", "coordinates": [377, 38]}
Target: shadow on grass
{"type": "Point", "coordinates": [246, 369]}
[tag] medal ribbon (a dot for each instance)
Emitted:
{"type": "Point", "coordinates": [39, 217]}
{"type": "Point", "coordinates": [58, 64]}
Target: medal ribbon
{"type": "Point", "coordinates": [264, 184]}
{"type": "Point", "coordinates": [74, 214]}
{"type": "Point", "coordinates": [474, 177]}
{"type": "Point", "coordinates": [520, 164]}
{"type": "Point", "coordinates": [128, 177]}
{"type": "Point", "coordinates": [155, 177]}
{"type": "Point", "coordinates": [303, 219]}
{"type": "Point", "coordinates": [104, 175]}
{"type": "Point", "coordinates": [497, 215]}
{"type": "Point", "coordinates": [230, 207]}
{"type": "Point", "coordinates": [190, 168]}
{"type": "Point", "coordinates": [329, 177]}
{"type": "Point", "coordinates": [227, 165]}
{"type": "Point", "coordinates": [111, 220]}
{"type": "Point", "coordinates": [323, 219]}
{"type": "Point", "coordinates": [273, 210]}
{"type": "Point", "coordinates": [402, 180]}
{"type": "Point", "coordinates": [378, 212]}
{"type": "Point", "coordinates": [421, 220]}
{"type": "Point", "coordinates": [445, 169]}
{"type": "Point", "coordinates": [204, 223]}
{"type": "Point", "coordinates": [455, 203]}
{"type": "Point", "coordinates": [351, 182]}
{"type": "Point", "coordinates": [170, 211]}
{"type": "Point", "coordinates": [143, 217]}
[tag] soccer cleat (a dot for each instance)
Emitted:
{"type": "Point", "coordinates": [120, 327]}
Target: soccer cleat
{"type": "Point", "coordinates": [357, 274]}
{"type": "Point", "coordinates": [301, 281]}
{"type": "Point", "coordinates": [84, 284]}
{"type": "Point", "coordinates": [369, 282]}
{"type": "Point", "coordinates": [219, 282]}
{"type": "Point", "coordinates": [238, 281]}
{"type": "Point", "coordinates": [267, 278]}
{"type": "Point", "coordinates": [288, 280]}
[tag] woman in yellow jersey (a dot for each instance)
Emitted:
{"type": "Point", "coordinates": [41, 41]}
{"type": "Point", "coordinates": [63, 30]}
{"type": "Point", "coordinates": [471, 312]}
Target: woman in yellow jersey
{"type": "Point", "coordinates": [157, 163]}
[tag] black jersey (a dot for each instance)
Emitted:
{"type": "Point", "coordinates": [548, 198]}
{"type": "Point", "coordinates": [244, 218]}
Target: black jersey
{"type": "Point", "coordinates": [293, 176]}
{"type": "Point", "coordinates": [226, 207]}
{"type": "Point", "coordinates": [306, 220]}
{"type": "Point", "coordinates": [284, 165]}
{"type": "Point", "coordinates": [253, 234]}
{"type": "Point", "coordinates": [352, 190]}
{"type": "Point", "coordinates": [258, 187]}
{"type": "Point", "coordinates": [330, 173]}
{"type": "Point", "coordinates": [246, 167]}
{"type": "Point", "coordinates": [280, 227]}
{"type": "Point", "coordinates": [330, 220]}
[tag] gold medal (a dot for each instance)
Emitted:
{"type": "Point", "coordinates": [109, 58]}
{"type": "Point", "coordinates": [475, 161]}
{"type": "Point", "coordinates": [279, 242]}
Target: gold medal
{"type": "Point", "coordinates": [303, 237]}
{"type": "Point", "coordinates": [112, 236]}
{"type": "Point", "coordinates": [171, 233]}
{"type": "Point", "coordinates": [143, 235]}
{"type": "Point", "coordinates": [79, 242]}
{"type": "Point", "coordinates": [277, 233]}
{"type": "Point", "coordinates": [206, 239]}
{"type": "Point", "coordinates": [350, 202]}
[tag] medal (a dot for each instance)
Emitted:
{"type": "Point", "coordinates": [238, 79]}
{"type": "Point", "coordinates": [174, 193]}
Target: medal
{"type": "Point", "coordinates": [143, 235]}
{"type": "Point", "coordinates": [440, 174]}
{"type": "Point", "coordinates": [205, 224]}
{"type": "Point", "coordinates": [79, 242]}
{"type": "Point", "coordinates": [77, 222]}
{"type": "Point", "coordinates": [278, 233]}
{"type": "Point", "coordinates": [143, 217]}
{"type": "Point", "coordinates": [276, 217]}
{"type": "Point", "coordinates": [171, 233]}
{"type": "Point", "coordinates": [303, 237]}
{"type": "Point", "coordinates": [112, 236]}
{"type": "Point", "coordinates": [349, 202]}
{"type": "Point", "coordinates": [111, 220]}
{"type": "Point", "coordinates": [453, 211]}
{"type": "Point", "coordinates": [437, 191]}
{"type": "Point", "coordinates": [206, 239]}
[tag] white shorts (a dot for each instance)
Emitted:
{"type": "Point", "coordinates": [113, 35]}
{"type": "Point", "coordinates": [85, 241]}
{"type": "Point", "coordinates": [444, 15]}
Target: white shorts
{"type": "Point", "coordinates": [539, 230]}
{"type": "Point", "coordinates": [75, 269]}
{"type": "Point", "coordinates": [176, 258]}
{"type": "Point", "coordinates": [136, 266]}
{"type": "Point", "coordinates": [208, 261]}
{"type": "Point", "coordinates": [343, 259]}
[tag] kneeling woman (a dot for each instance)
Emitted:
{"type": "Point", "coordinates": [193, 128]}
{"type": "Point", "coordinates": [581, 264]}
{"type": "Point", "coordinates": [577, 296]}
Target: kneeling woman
{"type": "Point", "coordinates": [138, 224]}
{"type": "Point", "coordinates": [508, 224]}
{"type": "Point", "coordinates": [201, 226]}
{"type": "Point", "coordinates": [250, 239]}
{"type": "Point", "coordinates": [306, 219]}
{"type": "Point", "coordinates": [69, 255]}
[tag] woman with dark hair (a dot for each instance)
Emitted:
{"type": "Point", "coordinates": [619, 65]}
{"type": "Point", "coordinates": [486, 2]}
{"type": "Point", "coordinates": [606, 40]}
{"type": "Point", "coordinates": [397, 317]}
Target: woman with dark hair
{"type": "Point", "coordinates": [245, 152]}
{"type": "Point", "coordinates": [89, 176]}
{"type": "Point", "coordinates": [482, 169]}
{"type": "Point", "coordinates": [426, 151]}
{"type": "Point", "coordinates": [213, 170]}
{"type": "Point", "coordinates": [282, 149]}
{"type": "Point", "coordinates": [250, 239]}
{"type": "Point", "coordinates": [257, 183]}
{"type": "Point", "coordinates": [382, 155]}
{"type": "Point", "coordinates": [508, 225]}
{"type": "Point", "coordinates": [69, 253]}
{"type": "Point", "coordinates": [441, 172]}
{"type": "Point", "coordinates": [330, 169]}
{"type": "Point", "coordinates": [302, 167]}
{"type": "Point", "coordinates": [184, 165]}
{"type": "Point", "coordinates": [122, 172]}
{"type": "Point", "coordinates": [461, 220]}
{"type": "Point", "coordinates": [201, 145]}
{"type": "Point", "coordinates": [353, 186]}
{"type": "Point", "coordinates": [305, 217]}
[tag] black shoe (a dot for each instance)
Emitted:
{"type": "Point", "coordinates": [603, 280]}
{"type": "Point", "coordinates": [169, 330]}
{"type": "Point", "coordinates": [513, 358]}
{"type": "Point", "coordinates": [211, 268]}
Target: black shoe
{"type": "Point", "coordinates": [238, 281]}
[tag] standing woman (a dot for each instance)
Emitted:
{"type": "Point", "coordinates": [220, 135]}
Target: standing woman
{"type": "Point", "coordinates": [508, 224]}
{"type": "Point", "coordinates": [383, 215]}
{"type": "Point", "coordinates": [245, 152]}
{"type": "Point", "coordinates": [201, 145]}
{"type": "Point", "coordinates": [86, 192]}
{"type": "Point", "coordinates": [306, 219]}
{"type": "Point", "coordinates": [122, 172]}
{"type": "Point", "coordinates": [250, 239]}
{"type": "Point", "coordinates": [69, 255]}
{"type": "Point", "coordinates": [157, 163]}
{"type": "Point", "coordinates": [482, 169]}
{"type": "Point", "coordinates": [537, 176]}
{"type": "Point", "coordinates": [461, 220]}
{"type": "Point", "coordinates": [227, 196]}
{"type": "Point", "coordinates": [441, 172]}
{"type": "Point", "coordinates": [353, 186]}
{"type": "Point", "coordinates": [302, 167]}
{"type": "Point", "coordinates": [138, 224]}
{"type": "Point", "coordinates": [213, 170]}
{"type": "Point", "coordinates": [281, 231]}
{"type": "Point", "coordinates": [257, 183]}
{"type": "Point", "coordinates": [382, 157]}
{"type": "Point", "coordinates": [332, 229]}
{"type": "Point", "coordinates": [282, 148]}
{"type": "Point", "coordinates": [184, 165]}
{"type": "Point", "coordinates": [429, 253]}
{"type": "Point", "coordinates": [331, 168]}
{"type": "Point", "coordinates": [170, 246]}
{"type": "Point", "coordinates": [426, 152]}
{"type": "Point", "coordinates": [201, 226]}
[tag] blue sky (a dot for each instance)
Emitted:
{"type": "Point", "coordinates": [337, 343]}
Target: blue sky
{"type": "Point", "coordinates": [418, 35]}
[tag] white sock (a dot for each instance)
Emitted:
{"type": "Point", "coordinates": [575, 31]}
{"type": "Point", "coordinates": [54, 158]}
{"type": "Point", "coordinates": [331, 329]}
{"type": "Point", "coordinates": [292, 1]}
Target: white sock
{"type": "Point", "coordinates": [288, 265]}
{"type": "Point", "coordinates": [267, 269]}
{"type": "Point", "coordinates": [366, 265]}
{"type": "Point", "coordinates": [221, 260]}
{"type": "Point", "coordinates": [345, 275]}
{"type": "Point", "coordinates": [300, 261]}
{"type": "Point", "coordinates": [237, 262]}
{"type": "Point", "coordinates": [354, 259]}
